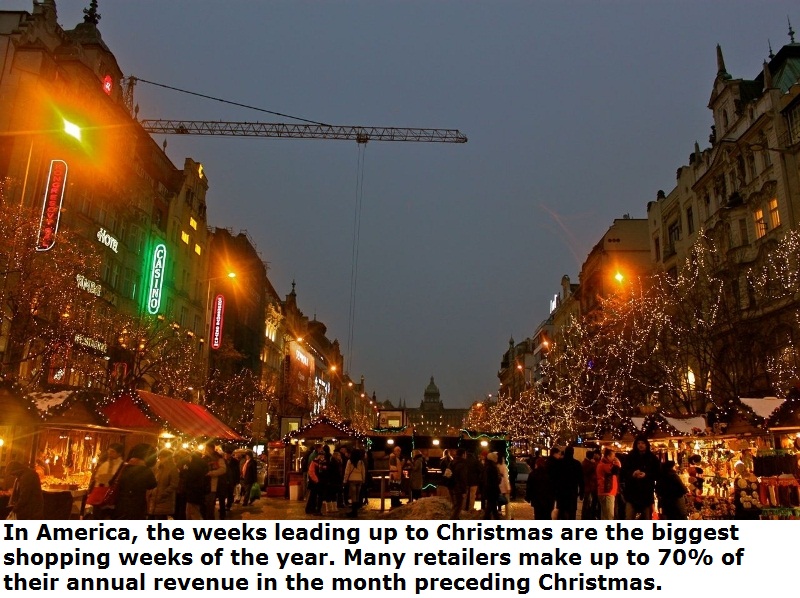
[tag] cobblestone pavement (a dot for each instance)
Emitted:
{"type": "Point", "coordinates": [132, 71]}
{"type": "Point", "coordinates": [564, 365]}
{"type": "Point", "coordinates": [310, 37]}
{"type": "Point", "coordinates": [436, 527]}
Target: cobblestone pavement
{"type": "Point", "coordinates": [285, 509]}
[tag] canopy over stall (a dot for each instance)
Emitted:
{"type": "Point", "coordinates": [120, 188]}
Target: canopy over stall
{"type": "Point", "coordinates": [152, 414]}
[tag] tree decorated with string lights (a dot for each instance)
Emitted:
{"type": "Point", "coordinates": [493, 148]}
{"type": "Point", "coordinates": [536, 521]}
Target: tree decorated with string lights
{"type": "Point", "coordinates": [156, 356]}
{"type": "Point", "coordinates": [43, 310]}
{"type": "Point", "coordinates": [233, 399]}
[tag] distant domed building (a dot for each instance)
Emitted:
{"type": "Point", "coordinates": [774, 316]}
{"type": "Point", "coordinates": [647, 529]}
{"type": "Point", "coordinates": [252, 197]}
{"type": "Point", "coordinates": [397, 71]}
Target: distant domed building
{"type": "Point", "coordinates": [432, 418]}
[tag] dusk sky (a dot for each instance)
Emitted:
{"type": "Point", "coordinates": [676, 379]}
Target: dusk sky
{"type": "Point", "coordinates": [577, 112]}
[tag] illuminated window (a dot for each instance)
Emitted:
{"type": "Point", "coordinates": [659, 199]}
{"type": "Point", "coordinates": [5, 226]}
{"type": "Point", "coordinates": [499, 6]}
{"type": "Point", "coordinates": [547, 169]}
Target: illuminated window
{"type": "Point", "coordinates": [761, 224]}
{"type": "Point", "coordinates": [193, 223]}
{"type": "Point", "coordinates": [185, 237]}
{"type": "Point", "coordinates": [774, 215]}
{"type": "Point", "coordinates": [197, 249]}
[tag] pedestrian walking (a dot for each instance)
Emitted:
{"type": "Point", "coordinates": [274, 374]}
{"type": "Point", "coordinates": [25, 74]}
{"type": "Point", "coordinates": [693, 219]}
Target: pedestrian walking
{"type": "Point", "coordinates": [591, 507]}
{"type": "Point", "coordinates": [671, 492]}
{"type": "Point", "coordinates": [248, 475]}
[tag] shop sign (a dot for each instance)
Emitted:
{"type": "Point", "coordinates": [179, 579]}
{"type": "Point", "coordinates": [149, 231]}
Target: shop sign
{"type": "Point", "coordinates": [156, 279]}
{"type": "Point", "coordinates": [51, 206]}
{"type": "Point", "coordinates": [89, 286]}
{"type": "Point", "coordinates": [90, 343]}
{"type": "Point", "coordinates": [217, 313]}
{"type": "Point", "coordinates": [108, 240]}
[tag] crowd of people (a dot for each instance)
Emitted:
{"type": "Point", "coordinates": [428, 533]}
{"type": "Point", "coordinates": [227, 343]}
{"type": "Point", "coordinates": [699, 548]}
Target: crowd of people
{"type": "Point", "coordinates": [167, 484]}
{"type": "Point", "coordinates": [336, 479]}
{"type": "Point", "coordinates": [631, 485]}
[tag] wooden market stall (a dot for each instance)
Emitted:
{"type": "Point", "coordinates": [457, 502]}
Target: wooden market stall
{"type": "Point", "coordinates": [285, 476]}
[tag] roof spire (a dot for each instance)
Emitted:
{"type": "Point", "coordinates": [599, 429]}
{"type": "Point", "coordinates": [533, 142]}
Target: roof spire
{"type": "Point", "coordinates": [767, 76]}
{"type": "Point", "coordinates": [721, 72]}
{"type": "Point", "coordinates": [771, 53]}
{"type": "Point", "coordinates": [791, 31]}
{"type": "Point", "coordinates": [90, 15]}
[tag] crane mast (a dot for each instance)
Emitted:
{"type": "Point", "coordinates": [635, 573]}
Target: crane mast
{"type": "Point", "coordinates": [301, 131]}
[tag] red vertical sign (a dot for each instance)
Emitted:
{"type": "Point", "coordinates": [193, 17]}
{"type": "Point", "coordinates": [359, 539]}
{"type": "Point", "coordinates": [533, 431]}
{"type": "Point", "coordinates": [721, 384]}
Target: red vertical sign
{"type": "Point", "coordinates": [51, 207]}
{"type": "Point", "coordinates": [217, 313]}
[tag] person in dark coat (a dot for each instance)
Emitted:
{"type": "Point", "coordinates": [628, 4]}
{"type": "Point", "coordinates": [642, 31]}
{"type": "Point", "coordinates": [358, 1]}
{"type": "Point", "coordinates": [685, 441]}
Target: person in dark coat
{"type": "Point", "coordinates": [539, 491]}
{"type": "Point", "coordinates": [671, 493]}
{"type": "Point", "coordinates": [568, 484]}
{"type": "Point", "coordinates": [491, 487]}
{"type": "Point", "coordinates": [474, 476]}
{"type": "Point", "coordinates": [136, 479]}
{"type": "Point", "coordinates": [197, 486]}
{"type": "Point", "coordinates": [640, 471]}
{"type": "Point", "coordinates": [247, 476]}
{"type": "Point", "coordinates": [27, 501]}
{"type": "Point", "coordinates": [234, 476]}
{"type": "Point", "coordinates": [460, 482]}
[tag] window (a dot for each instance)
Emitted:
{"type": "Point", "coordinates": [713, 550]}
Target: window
{"type": "Point", "coordinates": [761, 224]}
{"type": "Point", "coordinates": [658, 249]}
{"type": "Point", "coordinates": [774, 215]}
{"type": "Point", "coordinates": [689, 220]}
{"type": "Point", "coordinates": [743, 240]}
{"type": "Point", "coordinates": [114, 280]}
{"type": "Point", "coordinates": [197, 249]}
{"type": "Point", "coordinates": [185, 237]}
{"type": "Point", "coordinates": [193, 223]}
{"type": "Point", "coordinates": [183, 317]}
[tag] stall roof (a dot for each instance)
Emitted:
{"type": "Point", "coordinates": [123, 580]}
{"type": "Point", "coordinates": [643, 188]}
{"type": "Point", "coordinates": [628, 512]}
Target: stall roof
{"type": "Point", "coordinates": [322, 427]}
{"type": "Point", "coordinates": [688, 425]}
{"type": "Point", "coordinates": [763, 407]}
{"type": "Point", "coordinates": [151, 411]}
{"type": "Point", "coordinates": [16, 409]}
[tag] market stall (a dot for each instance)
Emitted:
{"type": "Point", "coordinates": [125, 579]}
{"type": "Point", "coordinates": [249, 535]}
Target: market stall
{"type": "Point", "coordinates": [164, 421]}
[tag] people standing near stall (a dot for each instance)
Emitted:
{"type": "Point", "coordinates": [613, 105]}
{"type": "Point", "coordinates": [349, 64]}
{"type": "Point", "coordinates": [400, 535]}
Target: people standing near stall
{"type": "Point", "coordinates": [216, 469]}
{"type": "Point", "coordinates": [315, 485]}
{"type": "Point", "coordinates": [490, 487]}
{"type": "Point", "coordinates": [27, 500]}
{"type": "Point", "coordinates": [248, 475]}
{"type": "Point", "coordinates": [136, 478]}
{"type": "Point", "coordinates": [460, 480]}
{"type": "Point", "coordinates": [539, 490]}
{"type": "Point", "coordinates": [395, 475]}
{"type": "Point", "coordinates": [569, 485]}
{"type": "Point", "coordinates": [103, 474]}
{"type": "Point", "coordinates": [639, 474]}
{"type": "Point", "coordinates": [234, 477]}
{"type": "Point", "coordinates": [608, 470]}
{"type": "Point", "coordinates": [162, 497]}
{"type": "Point", "coordinates": [355, 474]}
{"type": "Point", "coordinates": [671, 492]}
{"type": "Point", "coordinates": [416, 475]}
{"type": "Point", "coordinates": [591, 506]}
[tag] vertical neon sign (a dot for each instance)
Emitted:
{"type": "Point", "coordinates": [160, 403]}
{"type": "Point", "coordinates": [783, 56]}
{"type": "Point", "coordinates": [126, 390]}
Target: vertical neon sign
{"type": "Point", "coordinates": [217, 313]}
{"type": "Point", "coordinates": [51, 207]}
{"type": "Point", "coordinates": [156, 279]}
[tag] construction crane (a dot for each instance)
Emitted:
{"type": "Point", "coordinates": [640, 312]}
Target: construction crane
{"type": "Point", "coordinates": [311, 130]}
{"type": "Point", "coordinates": [300, 131]}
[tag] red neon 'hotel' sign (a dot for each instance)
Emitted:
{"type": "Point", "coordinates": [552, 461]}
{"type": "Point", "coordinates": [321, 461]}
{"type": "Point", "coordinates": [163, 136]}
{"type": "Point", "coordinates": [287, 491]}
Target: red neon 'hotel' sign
{"type": "Point", "coordinates": [51, 208]}
{"type": "Point", "coordinates": [217, 312]}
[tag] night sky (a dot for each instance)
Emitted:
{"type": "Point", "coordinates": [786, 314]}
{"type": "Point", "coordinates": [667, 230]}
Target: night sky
{"type": "Point", "coordinates": [577, 112]}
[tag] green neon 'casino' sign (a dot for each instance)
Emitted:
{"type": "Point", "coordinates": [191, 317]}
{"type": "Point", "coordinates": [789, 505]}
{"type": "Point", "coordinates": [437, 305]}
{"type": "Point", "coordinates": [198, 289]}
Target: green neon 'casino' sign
{"type": "Point", "coordinates": [157, 272]}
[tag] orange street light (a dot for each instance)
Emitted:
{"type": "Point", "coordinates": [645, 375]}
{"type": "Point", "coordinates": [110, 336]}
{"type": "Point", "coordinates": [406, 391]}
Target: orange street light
{"type": "Point", "coordinates": [619, 277]}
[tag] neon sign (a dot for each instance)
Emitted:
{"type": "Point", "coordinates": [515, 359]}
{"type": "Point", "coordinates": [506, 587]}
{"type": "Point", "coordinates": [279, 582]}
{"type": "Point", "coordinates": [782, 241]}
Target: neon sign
{"type": "Point", "coordinates": [108, 84]}
{"type": "Point", "coordinates": [51, 207]}
{"type": "Point", "coordinates": [156, 279]}
{"type": "Point", "coordinates": [217, 313]}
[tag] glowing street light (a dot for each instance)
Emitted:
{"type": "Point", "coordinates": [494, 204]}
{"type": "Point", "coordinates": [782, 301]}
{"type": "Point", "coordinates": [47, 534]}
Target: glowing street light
{"type": "Point", "coordinates": [71, 129]}
{"type": "Point", "coordinates": [619, 277]}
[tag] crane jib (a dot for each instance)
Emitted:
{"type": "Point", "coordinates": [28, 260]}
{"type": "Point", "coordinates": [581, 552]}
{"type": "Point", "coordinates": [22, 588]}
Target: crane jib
{"type": "Point", "coordinates": [301, 131]}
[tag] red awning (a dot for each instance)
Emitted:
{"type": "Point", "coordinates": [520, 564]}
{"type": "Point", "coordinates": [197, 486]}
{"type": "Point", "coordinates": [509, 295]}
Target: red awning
{"type": "Point", "coordinates": [149, 410]}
